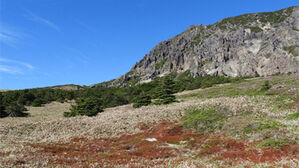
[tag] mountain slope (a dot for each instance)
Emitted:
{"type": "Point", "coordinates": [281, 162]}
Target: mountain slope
{"type": "Point", "coordinates": [245, 45]}
{"type": "Point", "coordinates": [232, 125]}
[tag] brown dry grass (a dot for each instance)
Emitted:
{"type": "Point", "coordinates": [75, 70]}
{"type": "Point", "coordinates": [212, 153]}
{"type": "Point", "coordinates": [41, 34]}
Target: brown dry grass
{"type": "Point", "coordinates": [3, 90]}
{"type": "Point", "coordinates": [66, 87]}
{"type": "Point", "coordinates": [46, 128]}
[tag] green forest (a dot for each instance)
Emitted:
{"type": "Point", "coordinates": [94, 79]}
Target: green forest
{"type": "Point", "coordinates": [161, 89]}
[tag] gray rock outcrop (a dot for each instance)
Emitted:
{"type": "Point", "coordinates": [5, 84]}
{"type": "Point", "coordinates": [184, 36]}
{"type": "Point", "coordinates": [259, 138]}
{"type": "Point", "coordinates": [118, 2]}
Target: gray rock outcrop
{"type": "Point", "coordinates": [246, 45]}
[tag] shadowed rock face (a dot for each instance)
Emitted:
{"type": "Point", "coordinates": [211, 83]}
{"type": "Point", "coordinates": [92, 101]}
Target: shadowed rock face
{"type": "Point", "coordinates": [246, 45]}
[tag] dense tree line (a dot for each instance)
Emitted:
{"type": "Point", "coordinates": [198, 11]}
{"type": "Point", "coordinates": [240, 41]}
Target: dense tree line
{"type": "Point", "coordinates": [161, 90]}
{"type": "Point", "coordinates": [36, 97]}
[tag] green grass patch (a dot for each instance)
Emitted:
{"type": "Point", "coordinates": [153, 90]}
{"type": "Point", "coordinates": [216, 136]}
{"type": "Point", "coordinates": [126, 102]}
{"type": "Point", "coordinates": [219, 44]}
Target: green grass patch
{"type": "Point", "coordinates": [235, 89]}
{"type": "Point", "coordinates": [284, 100]}
{"type": "Point", "coordinates": [261, 124]}
{"type": "Point", "coordinates": [273, 143]}
{"type": "Point", "coordinates": [265, 123]}
{"type": "Point", "coordinates": [206, 119]}
{"type": "Point", "coordinates": [293, 116]}
{"type": "Point", "coordinates": [261, 127]}
{"type": "Point", "coordinates": [253, 87]}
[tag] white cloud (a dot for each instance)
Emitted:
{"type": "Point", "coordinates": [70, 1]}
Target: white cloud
{"type": "Point", "coordinates": [14, 67]}
{"type": "Point", "coordinates": [10, 36]}
{"type": "Point", "coordinates": [33, 17]}
{"type": "Point", "coordinates": [10, 69]}
{"type": "Point", "coordinates": [7, 38]}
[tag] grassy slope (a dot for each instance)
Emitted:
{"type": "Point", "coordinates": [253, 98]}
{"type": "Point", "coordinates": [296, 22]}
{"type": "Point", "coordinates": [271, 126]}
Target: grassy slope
{"type": "Point", "coordinates": [239, 126]}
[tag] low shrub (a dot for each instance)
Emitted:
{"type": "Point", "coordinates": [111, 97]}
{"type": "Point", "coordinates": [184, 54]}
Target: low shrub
{"type": "Point", "coordinates": [266, 86]}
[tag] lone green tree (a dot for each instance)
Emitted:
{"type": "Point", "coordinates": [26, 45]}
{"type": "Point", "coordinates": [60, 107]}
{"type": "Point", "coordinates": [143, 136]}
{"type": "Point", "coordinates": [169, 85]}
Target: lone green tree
{"type": "Point", "coordinates": [88, 106]}
{"type": "Point", "coordinates": [15, 109]}
{"type": "Point", "coordinates": [142, 100]}
{"type": "Point", "coordinates": [165, 91]}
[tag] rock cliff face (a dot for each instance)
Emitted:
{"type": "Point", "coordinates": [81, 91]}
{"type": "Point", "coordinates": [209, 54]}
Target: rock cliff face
{"type": "Point", "coordinates": [246, 45]}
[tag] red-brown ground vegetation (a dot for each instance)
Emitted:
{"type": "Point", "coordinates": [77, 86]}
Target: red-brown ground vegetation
{"type": "Point", "coordinates": [170, 143]}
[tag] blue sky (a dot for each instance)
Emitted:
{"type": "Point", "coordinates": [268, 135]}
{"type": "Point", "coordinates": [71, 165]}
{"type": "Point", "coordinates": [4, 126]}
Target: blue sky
{"type": "Point", "coordinates": [54, 42]}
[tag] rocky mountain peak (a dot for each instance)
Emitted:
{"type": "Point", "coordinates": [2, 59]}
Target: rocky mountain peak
{"type": "Point", "coordinates": [246, 45]}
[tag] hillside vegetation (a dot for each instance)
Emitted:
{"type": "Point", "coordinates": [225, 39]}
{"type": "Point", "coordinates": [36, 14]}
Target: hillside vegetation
{"type": "Point", "coordinates": [106, 97]}
{"type": "Point", "coordinates": [249, 123]}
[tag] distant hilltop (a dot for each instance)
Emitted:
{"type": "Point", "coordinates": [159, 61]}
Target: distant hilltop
{"type": "Point", "coordinates": [247, 45]}
{"type": "Point", "coordinates": [3, 90]}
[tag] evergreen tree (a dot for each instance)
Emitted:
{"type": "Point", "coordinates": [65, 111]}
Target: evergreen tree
{"type": "Point", "coordinates": [89, 106]}
{"type": "Point", "coordinates": [165, 91]}
{"type": "Point", "coordinates": [142, 100]}
{"type": "Point", "coordinates": [15, 110]}
{"type": "Point", "coordinates": [37, 102]}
